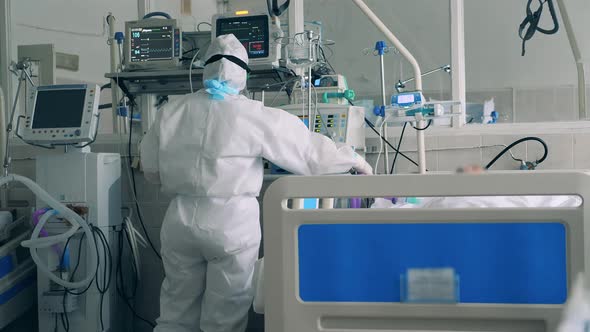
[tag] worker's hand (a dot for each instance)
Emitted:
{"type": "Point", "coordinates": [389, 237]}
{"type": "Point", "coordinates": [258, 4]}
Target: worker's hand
{"type": "Point", "coordinates": [363, 167]}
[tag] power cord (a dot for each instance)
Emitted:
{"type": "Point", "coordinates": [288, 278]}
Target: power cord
{"type": "Point", "coordinates": [103, 287]}
{"type": "Point", "coordinates": [147, 236]}
{"type": "Point", "coordinates": [372, 126]}
{"type": "Point", "coordinates": [120, 283]}
{"type": "Point", "coordinates": [422, 129]}
{"type": "Point", "coordinates": [206, 23]}
{"type": "Point", "coordinates": [399, 144]}
{"type": "Point", "coordinates": [326, 59]}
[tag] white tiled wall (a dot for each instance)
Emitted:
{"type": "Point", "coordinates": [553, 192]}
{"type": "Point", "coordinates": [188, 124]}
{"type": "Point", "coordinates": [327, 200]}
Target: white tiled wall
{"type": "Point", "coordinates": [447, 152]}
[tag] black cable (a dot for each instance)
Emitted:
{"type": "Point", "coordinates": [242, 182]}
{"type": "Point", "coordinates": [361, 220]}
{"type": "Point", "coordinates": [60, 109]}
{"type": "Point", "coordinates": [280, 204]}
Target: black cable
{"type": "Point", "coordinates": [147, 236]}
{"type": "Point", "coordinates": [530, 24]}
{"type": "Point", "coordinates": [372, 126]}
{"type": "Point", "coordinates": [64, 316]}
{"type": "Point", "coordinates": [65, 324]}
{"type": "Point", "coordinates": [55, 326]}
{"type": "Point", "coordinates": [106, 86]}
{"type": "Point", "coordinates": [78, 265]}
{"type": "Point", "coordinates": [191, 50]}
{"type": "Point", "coordinates": [199, 25]}
{"type": "Point", "coordinates": [422, 129]}
{"type": "Point", "coordinates": [279, 10]}
{"type": "Point", "coordinates": [95, 134]}
{"type": "Point", "coordinates": [530, 138]}
{"type": "Point", "coordinates": [399, 145]}
{"type": "Point", "coordinates": [326, 59]}
{"type": "Point", "coordinates": [154, 14]}
{"type": "Point", "coordinates": [269, 7]}
{"type": "Point", "coordinates": [120, 285]}
{"type": "Point", "coordinates": [134, 266]}
{"type": "Point", "coordinates": [106, 272]}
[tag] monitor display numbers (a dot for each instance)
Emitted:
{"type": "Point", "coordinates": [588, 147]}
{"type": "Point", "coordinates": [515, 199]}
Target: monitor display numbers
{"type": "Point", "coordinates": [251, 31]}
{"type": "Point", "coordinates": [256, 48]}
{"type": "Point", "coordinates": [405, 99]}
{"type": "Point", "coordinates": [153, 43]}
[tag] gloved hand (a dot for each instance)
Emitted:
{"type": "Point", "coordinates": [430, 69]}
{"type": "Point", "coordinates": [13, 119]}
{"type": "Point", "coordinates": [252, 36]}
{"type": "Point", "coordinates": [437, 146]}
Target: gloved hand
{"type": "Point", "coordinates": [362, 166]}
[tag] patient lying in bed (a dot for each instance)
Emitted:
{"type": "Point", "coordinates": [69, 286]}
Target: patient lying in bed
{"type": "Point", "coordinates": [482, 202]}
{"type": "Point", "coordinates": [479, 201]}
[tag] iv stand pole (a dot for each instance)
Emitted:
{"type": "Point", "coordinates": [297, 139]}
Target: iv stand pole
{"type": "Point", "coordinates": [420, 123]}
{"type": "Point", "coordinates": [21, 66]}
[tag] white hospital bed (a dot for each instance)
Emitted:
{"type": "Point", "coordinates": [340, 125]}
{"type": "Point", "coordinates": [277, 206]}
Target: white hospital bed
{"type": "Point", "coordinates": [294, 298]}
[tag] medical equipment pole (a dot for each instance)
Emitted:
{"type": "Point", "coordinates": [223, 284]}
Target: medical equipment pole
{"type": "Point", "coordinates": [384, 102]}
{"type": "Point", "coordinates": [577, 58]}
{"type": "Point", "coordinates": [309, 82]}
{"type": "Point", "coordinates": [24, 76]}
{"type": "Point", "coordinates": [421, 146]}
{"type": "Point", "coordinates": [3, 140]}
{"type": "Point", "coordinates": [417, 72]}
{"type": "Point", "coordinates": [391, 37]}
{"type": "Point", "coordinates": [402, 84]}
{"type": "Point", "coordinates": [309, 98]}
{"type": "Point", "coordinates": [114, 86]}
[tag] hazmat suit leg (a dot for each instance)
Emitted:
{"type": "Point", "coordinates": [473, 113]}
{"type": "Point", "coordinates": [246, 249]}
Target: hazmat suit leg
{"type": "Point", "coordinates": [183, 287]}
{"type": "Point", "coordinates": [209, 248]}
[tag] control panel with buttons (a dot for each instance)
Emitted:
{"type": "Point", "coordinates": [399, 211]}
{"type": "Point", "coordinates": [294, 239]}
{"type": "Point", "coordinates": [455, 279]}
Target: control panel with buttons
{"type": "Point", "coordinates": [342, 123]}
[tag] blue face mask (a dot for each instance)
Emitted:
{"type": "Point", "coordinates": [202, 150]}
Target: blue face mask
{"type": "Point", "coordinates": [218, 90]}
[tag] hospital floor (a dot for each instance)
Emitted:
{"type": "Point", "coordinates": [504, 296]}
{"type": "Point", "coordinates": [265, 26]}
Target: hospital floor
{"type": "Point", "coordinates": [27, 322]}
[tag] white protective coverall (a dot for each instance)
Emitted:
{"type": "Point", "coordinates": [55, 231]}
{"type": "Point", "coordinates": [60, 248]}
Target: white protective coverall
{"type": "Point", "coordinates": [209, 154]}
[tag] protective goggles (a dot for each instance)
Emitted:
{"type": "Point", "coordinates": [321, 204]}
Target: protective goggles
{"type": "Point", "coordinates": [231, 58]}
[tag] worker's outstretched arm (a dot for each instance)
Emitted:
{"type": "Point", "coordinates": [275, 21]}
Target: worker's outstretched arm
{"type": "Point", "coordinates": [289, 144]}
{"type": "Point", "coordinates": [149, 152]}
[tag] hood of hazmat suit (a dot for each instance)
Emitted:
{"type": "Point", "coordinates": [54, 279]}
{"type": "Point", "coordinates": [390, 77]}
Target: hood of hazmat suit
{"type": "Point", "coordinates": [206, 149]}
{"type": "Point", "coordinates": [224, 70]}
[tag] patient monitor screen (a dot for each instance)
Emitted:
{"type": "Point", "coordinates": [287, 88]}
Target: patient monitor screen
{"type": "Point", "coordinates": [252, 31]}
{"type": "Point", "coordinates": [59, 108]}
{"type": "Point", "coordinates": [152, 43]}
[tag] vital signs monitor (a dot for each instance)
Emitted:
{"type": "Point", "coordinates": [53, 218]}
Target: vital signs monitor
{"type": "Point", "coordinates": [63, 115]}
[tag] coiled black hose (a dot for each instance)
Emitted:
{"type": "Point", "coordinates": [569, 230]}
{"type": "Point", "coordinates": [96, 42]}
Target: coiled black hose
{"type": "Point", "coordinates": [525, 139]}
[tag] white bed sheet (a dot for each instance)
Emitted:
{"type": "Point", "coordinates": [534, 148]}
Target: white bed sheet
{"type": "Point", "coordinates": [483, 202]}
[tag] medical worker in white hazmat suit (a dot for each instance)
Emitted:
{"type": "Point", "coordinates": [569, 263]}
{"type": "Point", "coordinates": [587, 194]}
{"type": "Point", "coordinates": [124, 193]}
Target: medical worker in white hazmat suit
{"type": "Point", "coordinates": [207, 149]}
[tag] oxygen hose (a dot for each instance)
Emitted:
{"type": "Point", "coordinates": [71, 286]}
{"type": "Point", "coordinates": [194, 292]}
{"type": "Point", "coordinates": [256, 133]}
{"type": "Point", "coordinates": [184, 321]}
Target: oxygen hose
{"type": "Point", "coordinates": [545, 147]}
{"type": "Point", "coordinates": [58, 209]}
